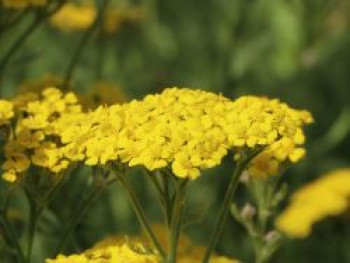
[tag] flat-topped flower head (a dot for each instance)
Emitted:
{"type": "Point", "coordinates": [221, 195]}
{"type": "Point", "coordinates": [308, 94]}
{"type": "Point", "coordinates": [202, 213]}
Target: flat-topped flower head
{"type": "Point", "coordinates": [327, 196]}
{"type": "Point", "coordinates": [116, 253]}
{"type": "Point", "coordinates": [187, 130]}
{"type": "Point", "coordinates": [35, 140]}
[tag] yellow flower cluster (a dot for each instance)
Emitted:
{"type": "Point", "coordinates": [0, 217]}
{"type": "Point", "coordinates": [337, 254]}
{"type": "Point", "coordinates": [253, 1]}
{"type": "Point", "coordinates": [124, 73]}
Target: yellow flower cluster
{"type": "Point", "coordinates": [276, 126]}
{"type": "Point", "coordinates": [6, 112]}
{"type": "Point", "coordinates": [137, 250]}
{"type": "Point", "coordinates": [34, 140]}
{"type": "Point", "coordinates": [119, 253]}
{"type": "Point", "coordinates": [187, 130]}
{"type": "Point", "coordinates": [327, 196]}
{"type": "Point", "coordinates": [73, 17]}
{"type": "Point", "coordinates": [20, 4]}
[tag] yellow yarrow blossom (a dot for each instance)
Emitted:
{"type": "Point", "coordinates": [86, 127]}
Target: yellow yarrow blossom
{"type": "Point", "coordinates": [6, 112]}
{"type": "Point", "coordinates": [115, 17]}
{"type": "Point", "coordinates": [73, 17]}
{"type": "Point", "coordinates": [118, 253]}
{"type": "Point", "coordinates": [123, 249]}
{"type": "Point", "coordinates": [188, 130]}
{"type": "Point", "coordinates": [35, 139]}
{"type": "Point", "coordinates": [78, 17]}
{"type": "Point", "coordinates": [327, 196]}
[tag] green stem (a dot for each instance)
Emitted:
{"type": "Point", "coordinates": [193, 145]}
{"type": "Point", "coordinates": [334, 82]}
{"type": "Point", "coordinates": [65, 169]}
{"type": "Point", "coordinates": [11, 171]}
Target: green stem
{"type": "Point", "coordinates": [218, 227]}
{"type": "Point", "coordinates": [39, 18]}
{"type": "Point", "coordinates": [76, 217]}
{"type": "Point", "coordinates": [161, 196]}
{"type": "Point", "coordinates": [176, 221]}
{"type": "Point", "coordinates": [17, 44]}
{"type": "Point", "coordinates": [33, 217]}
{"type": "Point", "coordinates": [82, 44]}
{"type": "Point", "coordinates": [12, 236]}
{"type": "Point", "coordinates": [140, 215]}
{"type": "Point", "coordinates": [14, 21]}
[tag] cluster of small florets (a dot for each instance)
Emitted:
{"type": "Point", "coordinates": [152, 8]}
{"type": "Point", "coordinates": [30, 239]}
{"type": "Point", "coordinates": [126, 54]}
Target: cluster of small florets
{"type": "Point", "coordinates": [34, 140]}
{"type": "Point", "coordinates": [182, 129]}
{"type": "Point", "coordinates": [6, 112]}
{"type": "Point", "coordinates": [327, 196]}
{"type": "Point", "coordinates": [122, 249]}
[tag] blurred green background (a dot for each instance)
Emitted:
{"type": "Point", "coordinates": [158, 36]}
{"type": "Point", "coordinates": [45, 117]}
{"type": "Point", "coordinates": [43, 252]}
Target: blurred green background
{"type": "Point", "coordinates": [295, 50]}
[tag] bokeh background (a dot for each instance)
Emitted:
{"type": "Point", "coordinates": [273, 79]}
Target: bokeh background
{"type": "Point", "coordinates": [295, 50]}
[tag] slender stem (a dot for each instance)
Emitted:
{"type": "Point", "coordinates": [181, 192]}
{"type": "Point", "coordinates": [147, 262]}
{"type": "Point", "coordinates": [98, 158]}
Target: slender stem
{"type": "Point", "coordinates": [219, 224]}
{"type": "Point", "coordinates": [140, 215]}
{"type": "Point", "coordinates": [176, 221]}
{"type": "Point", "coordinates": [14, 21]}
{"type": "Point", "coordinates": [163, 199]}
{"type": "Point", "coordinates": [12, 235]}
{"type": "Point", "coordinates": [36, 211]}
{"type": "Point", "coordinates": [18, 43]}
{"type": "Point", "coordinates": [82, 44]}
{"type": "Point", "coordinates": [76, 217]}
{"type": "Point", "coordinates": [167, 199]}
{"type": "Point", "coordinates": [39, 18]}
{"type": "Point", "coordinates": [33, 217]}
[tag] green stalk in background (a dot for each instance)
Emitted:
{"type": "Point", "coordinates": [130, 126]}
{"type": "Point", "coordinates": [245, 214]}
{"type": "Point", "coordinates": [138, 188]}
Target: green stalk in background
{"type": "Point", "coordinates": [219, 225]}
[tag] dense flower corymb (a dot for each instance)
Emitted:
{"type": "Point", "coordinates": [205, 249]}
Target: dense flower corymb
{"type": "Point", "coordinates": [35, 140]}
{"type": "Point", "coordinates": [327, 196]}
{"type": "Point", "coordinates": [123, 249]}
{"type": "Point", "coordinates": [181, 129]}
{"type": "Point", "coordinates": [189, 130]}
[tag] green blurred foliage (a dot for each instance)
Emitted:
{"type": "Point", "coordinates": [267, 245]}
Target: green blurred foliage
{"type": "Point", "coordinates": [298, 51]}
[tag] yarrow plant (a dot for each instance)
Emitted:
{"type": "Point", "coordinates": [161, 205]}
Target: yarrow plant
{"type": "Point", "coordinates": [173, 136]}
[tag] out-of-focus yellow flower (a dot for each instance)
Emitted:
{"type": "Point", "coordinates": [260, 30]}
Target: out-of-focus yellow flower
{"type": "Point", "coordinates": [38, 85]}
{"type": "Point", "coordinates": [327, 196]}
{"type": "Point", "coordinates": [73, 17]}
{"type": "Point", "coordinates": [6, 112]}
{"type": "Point", "coordinates": [118, 253]}
{"type": "Point", "coordinates": [20, 4]}
{"type": "Point", "coordinates": [115, 17]}
{"type": "Point", "coordinates": [138, 250]}
{"type": "Point", "coordinates": [102, 93]}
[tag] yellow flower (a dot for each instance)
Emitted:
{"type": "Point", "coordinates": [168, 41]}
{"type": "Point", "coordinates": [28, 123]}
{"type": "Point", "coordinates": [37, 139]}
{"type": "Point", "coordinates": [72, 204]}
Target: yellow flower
{"type": "Point", "coordinates": [6, 111]}
{"type": "Point", "coordinates": [117, 253]}
{"type": "Point", "coordinates": [189, 130]}
{"type": "Point", "coordinates": [36, 140]}
{"type": "Point", "coordinates": [118, 249]}
{"type": "Point", "coordinates": [327, 196]}
{"type": "Point", "coordinates": [73, 17]}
